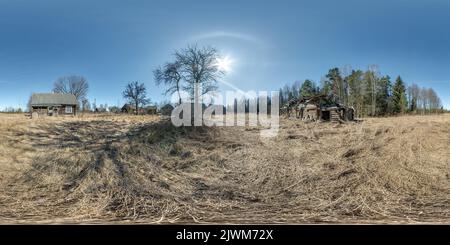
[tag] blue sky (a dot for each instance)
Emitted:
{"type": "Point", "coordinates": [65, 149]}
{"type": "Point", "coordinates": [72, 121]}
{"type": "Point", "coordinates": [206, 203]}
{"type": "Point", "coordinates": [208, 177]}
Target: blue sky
{"type": "Point", "coordinates": [271, 43]}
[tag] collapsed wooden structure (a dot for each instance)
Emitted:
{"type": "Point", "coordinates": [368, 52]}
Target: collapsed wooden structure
{"type": "Point", "coordinates": [318, 108]}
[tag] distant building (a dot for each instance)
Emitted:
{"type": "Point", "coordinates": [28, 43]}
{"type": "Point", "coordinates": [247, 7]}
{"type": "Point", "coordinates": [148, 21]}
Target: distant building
{"type": "Point", "coordinates": [53, 104]}
{"type": "Point", "coordinates": [128, 108]}
{"type": "Point", "coordinates": [167, 109]}
{"type": "Point", "coordinates": [151, 110]}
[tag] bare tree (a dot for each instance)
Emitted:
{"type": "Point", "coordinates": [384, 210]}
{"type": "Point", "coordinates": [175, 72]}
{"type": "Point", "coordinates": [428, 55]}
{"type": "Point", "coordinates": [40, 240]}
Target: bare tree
{"type": "Point", "coordinates": [414, 97]}
{"type": "Point", "coordinates": [434, 101]}
{"type": "Point", "coordinates": [374, 72]}
{"type": "Point", "coordinates": [86, 105]}
{"type": "Point", "coordinates": [76, 85]}
{"type": "Point", "coordinates": [199, 68]}
{"type": "Point", "coordinates": [425, 100]}
{"type": "Point", "coordinates": [136, 94]}
{"type": "Point", "coordinates": [170, 75]}
{"type": "Point", "coordinates": [346, 71]}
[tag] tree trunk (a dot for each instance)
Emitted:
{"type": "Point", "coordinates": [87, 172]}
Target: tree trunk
{"type": "Point", "coordinates": [179, 96]}
{"type": "Point", "coordinates": [137, 108]}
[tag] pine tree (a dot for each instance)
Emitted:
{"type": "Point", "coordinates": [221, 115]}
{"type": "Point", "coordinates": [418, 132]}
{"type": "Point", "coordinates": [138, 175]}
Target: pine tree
{"type": "Point", "coordinates": [383, 94]}
{"type": "Point", "coordinates": [326, 87]}
{"type": "Point", "coordinates": [307, 89]}
{"type": "Point", "coordinates": [337, 84]}
{"type": "Point", "coordinates": [367, 92]}
{"type": "Point", "coordinates": [355, 84]}
{"type": "Point", "coordinates": [399, 101]}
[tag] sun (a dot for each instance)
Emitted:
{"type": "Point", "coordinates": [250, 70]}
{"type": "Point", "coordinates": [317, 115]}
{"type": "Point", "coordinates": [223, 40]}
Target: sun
{"type": "Point", "coordinates": [224, 64]}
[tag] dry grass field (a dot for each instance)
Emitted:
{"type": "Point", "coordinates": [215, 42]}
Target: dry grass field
{"type": "Point", "coordinates": [143, 170]}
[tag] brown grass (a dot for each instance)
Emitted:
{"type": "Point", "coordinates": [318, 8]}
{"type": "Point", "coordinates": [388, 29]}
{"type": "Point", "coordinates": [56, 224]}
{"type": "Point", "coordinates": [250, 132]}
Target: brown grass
{"type": "Point", "coordinates": [142, 169]}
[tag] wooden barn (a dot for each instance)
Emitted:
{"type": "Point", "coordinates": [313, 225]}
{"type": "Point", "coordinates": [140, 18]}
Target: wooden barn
{"type": "Point", "coordinates": [53, 104]}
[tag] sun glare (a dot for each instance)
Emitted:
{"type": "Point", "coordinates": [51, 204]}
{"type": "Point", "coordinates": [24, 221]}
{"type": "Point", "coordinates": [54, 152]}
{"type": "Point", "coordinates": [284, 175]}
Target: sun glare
{"type": "Point", "coordinates": [224, 64]}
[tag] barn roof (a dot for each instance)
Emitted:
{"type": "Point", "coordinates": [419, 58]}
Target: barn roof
{"type": "Point", "coordinates": [52, 99]}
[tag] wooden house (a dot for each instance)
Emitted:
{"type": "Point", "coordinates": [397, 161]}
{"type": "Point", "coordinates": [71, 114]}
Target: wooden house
{"type": "Point", "coordinates": [53, 104]}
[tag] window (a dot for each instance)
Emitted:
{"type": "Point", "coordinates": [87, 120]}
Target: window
{"type": "Point", "coordinates": [69, 109]}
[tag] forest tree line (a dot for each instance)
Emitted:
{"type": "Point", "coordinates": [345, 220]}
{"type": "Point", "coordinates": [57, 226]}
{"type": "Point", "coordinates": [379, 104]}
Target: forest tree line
{"type": "Point", "coordinates": [370, 93]}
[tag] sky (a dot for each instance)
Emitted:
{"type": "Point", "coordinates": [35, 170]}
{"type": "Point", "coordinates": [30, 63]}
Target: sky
{"type": "Point", "coordinates": [269, 43]}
